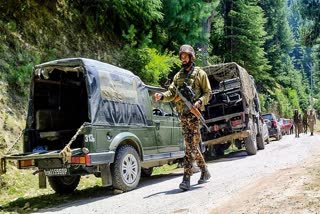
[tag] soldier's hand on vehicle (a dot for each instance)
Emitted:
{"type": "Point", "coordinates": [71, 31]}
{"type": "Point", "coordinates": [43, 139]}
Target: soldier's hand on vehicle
{"type": "Point", "coordinates": [157, 96]}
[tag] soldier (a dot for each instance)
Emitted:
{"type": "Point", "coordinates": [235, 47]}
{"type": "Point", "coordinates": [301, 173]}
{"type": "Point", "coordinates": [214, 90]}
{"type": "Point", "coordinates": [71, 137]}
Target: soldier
{"type": "Point", "coordinates": [291, 128]}
{"type": "Point", "coordinates": [296, 122]}
{"type": "Point", "coordinates": [198, 80]}
{"type": "Point", "coordinates": [312, 120]}
{"type": "Point", "coordinates": [305, 121]}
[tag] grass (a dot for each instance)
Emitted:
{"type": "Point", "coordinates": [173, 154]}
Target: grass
{"type": "Point", "coordinates": [231, 149]}
{"type": "Point", "coordinates": [165, 169]}
{"type": "Point", "coordinates": [22, 194]}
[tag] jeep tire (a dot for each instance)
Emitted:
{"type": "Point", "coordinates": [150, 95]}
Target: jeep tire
{"type": "Point", "coordinates": [64, 184]}
{"type": "Point", "coordinates": [250, 141]}
{"type": "Point", "coordinates": [126, 169]}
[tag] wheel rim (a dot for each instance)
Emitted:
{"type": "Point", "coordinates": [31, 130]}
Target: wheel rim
{"type": "Point", "coordinates": [129, 169]}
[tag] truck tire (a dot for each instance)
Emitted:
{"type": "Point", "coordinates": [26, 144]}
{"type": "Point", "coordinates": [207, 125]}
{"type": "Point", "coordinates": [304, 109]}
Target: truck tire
{"type": "Point", "coordinates": [260, 142]}
{"type": "Point", "coordinates": [219, 149]}
{"type": "Point", "coordinates": [268, 140]}
{"type": "Point", "coordinates": [279, 136]}
{"type": "Point", "coordinates": [64, 184]}
{"type": "Point", "coordinates": [250, 142]}
{"type": "Point", "coordinates": [146, 172]}
{"type": "Point", "coordinates": [126, 169]}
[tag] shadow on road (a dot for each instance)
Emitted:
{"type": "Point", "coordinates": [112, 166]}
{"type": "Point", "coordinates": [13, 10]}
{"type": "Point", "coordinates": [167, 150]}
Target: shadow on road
{"type": "Point", "coordinates": [92, 194]}
{"type": "Point", "coordinates": [96, 193]}
{"type": "Point", "coordinates": [174, 191]}
{"type": "Point", "coordinates": [232, 156]}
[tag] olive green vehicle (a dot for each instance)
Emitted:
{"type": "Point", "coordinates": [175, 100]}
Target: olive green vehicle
{"type": "Point", "coordinates": [233, 113]}
{"type": "Point", "coordinates": [88, 117]}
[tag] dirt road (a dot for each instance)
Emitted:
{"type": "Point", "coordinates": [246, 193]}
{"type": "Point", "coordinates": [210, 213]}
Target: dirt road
{"type": "Point", "coordinates": [271, 181]}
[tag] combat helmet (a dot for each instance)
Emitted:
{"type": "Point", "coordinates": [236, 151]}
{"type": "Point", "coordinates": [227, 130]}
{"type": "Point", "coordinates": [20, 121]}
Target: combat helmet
{"type": "Point", "coordinates": [187, 49]}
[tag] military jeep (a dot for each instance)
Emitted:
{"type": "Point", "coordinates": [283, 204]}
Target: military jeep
{"type": "Point", "coordinates": [233, 112]}
{"type": "Point", "coordinates": [88, 117]}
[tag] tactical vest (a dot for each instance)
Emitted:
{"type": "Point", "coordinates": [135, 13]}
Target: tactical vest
{"type": "Point", "coordinates": [192, 80]}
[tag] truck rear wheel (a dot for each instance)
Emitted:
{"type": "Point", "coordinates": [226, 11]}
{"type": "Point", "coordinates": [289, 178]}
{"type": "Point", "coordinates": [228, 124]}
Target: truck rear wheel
{"type": "Point", "coordinates": [250, 141]}
{"type": "Point", "coordinates": [126, 169]}
{"type": "Point", "coordinates": [260, 142]}
{"type": "Point", "coordinates": [146, 172]}
{"type": "Point", "coordinates": [219, 149]}
{"type": "Point", "coordinates": [64, 184]}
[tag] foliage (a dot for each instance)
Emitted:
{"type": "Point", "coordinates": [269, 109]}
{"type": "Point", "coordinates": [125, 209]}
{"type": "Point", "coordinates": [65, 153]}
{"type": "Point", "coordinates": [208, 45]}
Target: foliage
{"type": "Point", "coordinates": [281, 101]}
{"type": "Point", "coordinates": [317, 106]}
{"type": "Point", "coordinates": [262, 98]}
{"type": "Point", "coordinates": [280, 41]}
{"type": "Point", "coordinates": [310, 11]}
{"type": "Point", "coordinates": [146, 62]}
{"type": "Point", "coordinates": [242, 37]}
{"type": "Point", "coordinates": [117, 16]}
{"type": "Point", "coordinates": [293, 98]}
{"type": "Point", "coordinates": [183, 22]}
{"type": "Point", "coordinates": [158, 66]}
{"type": "Point", "coordinates": [284, 107]}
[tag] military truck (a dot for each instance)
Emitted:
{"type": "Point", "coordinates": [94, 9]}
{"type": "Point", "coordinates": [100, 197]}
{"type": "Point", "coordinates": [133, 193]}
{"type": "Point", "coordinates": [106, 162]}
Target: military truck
{"type": "Point", "coordinates": [233, 113]}
{"type": "Point", "coordinates": [88, 117]}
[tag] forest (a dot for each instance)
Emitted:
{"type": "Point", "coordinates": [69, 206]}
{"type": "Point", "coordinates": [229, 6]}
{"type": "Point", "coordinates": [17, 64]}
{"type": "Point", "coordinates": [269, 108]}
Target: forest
{"type": "Point", "coordinates": [277, 41]}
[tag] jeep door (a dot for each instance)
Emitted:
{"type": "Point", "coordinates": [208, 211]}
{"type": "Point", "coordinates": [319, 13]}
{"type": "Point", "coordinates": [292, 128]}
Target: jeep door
{"type": "Point", "coordinates": [167, 127]}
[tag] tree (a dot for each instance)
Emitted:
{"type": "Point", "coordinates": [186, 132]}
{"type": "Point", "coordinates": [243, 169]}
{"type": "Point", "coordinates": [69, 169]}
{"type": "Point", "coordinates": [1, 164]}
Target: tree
{"type": "Point", "coordinates": [242, 37]}
{"type": "Point", "coordinates": [183, 22]}
{"type": "Point", "coordinates": [280, 39]}
{"type": "Point", "coordinates": [310, 11]}
{"type": "Point", "coordinates": [118, 16]}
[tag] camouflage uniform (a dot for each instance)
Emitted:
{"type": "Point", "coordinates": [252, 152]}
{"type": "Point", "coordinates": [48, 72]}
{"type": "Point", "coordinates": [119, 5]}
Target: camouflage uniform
{"type": "Point", "coordinates": [305, 121]}
{"type": "Point", "coordinates": [296, 122]}
{"type": "Point", "coordinates": [192, 137]}
{"type": "Point", "coordinates": [312, 119]}
{"type": "Point", "coordinates": [199, 82]}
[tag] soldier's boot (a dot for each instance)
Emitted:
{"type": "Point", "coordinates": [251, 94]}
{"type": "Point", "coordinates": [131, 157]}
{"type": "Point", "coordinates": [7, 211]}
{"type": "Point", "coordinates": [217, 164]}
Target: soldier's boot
{"type": "Point", "coordinates": [185, 184]}
{"type": "Point", "coordinates": [205, 176]}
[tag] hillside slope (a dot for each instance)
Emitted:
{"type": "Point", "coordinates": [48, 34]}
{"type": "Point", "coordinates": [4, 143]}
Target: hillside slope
{"type": "Point", "coordinates": [33, 32]}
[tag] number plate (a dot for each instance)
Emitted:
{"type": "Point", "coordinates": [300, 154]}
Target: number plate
{"type": "Point", "coordinates": [56, 172]}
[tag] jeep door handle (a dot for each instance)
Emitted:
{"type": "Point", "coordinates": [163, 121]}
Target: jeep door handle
{"type": "Point", "coordinates": [157, 125]}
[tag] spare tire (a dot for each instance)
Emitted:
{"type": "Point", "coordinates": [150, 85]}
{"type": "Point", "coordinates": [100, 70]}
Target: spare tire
{"type": "Point", "coordinates": [64, 184]}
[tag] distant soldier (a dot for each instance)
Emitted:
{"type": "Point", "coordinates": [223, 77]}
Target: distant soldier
{"type": "Point", "coordinates": [305, 121]}
{"type": "Point", "coordinates": [312, 119]}
{"type": "Point", "coordinates": [300, 124]}
{"type": "Point", "coordinates": [292, 126]}
{"type": "Point", "coordinates": [296, 122]}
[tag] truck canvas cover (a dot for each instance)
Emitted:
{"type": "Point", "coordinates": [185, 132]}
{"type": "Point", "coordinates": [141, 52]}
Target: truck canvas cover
{"type": "Point", "coordinates": [114, 94]}
{"type": "Point", "coordinates": [221, 72]}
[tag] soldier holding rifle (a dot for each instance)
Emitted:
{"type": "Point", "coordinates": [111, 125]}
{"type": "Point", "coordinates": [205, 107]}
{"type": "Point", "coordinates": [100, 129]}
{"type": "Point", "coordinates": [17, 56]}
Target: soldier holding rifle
{"type": "Point", "coordinates": [191, 89]}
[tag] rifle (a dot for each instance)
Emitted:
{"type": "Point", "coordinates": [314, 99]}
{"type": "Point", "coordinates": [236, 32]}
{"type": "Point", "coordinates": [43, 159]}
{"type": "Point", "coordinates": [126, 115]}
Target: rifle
{"type": "Point", "coordinates": [187, 102]}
